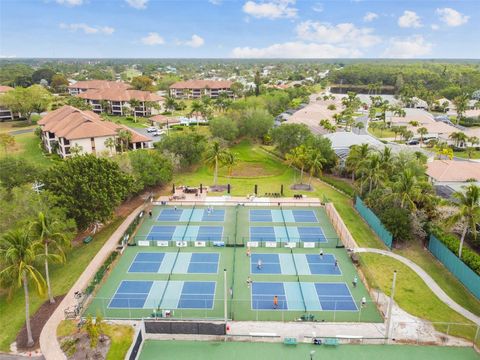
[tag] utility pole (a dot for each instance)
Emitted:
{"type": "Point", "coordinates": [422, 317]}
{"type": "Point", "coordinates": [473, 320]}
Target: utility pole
{"type": "Point", "coordinates": [390, 305]}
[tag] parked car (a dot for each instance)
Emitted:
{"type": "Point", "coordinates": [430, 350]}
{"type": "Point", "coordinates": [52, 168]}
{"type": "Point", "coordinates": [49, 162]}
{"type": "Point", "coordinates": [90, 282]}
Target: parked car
{"type": "Point", "coordinates": [412, 142]}
{"type": "Point", "coordinates": [152, 129]}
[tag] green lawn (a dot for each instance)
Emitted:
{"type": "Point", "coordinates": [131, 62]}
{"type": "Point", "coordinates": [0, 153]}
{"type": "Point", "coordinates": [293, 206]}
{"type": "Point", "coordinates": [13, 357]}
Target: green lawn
{"type": "Point", "coordinates": [12, 313]}
{"type": "Point", "coordinates": [28, 146]}
{"type": "Point", "coordinates": [413, 295]}
{"type": "Point", "coordinates": [464, 155]}
{"type": "Point", "coordinates": [120, 335]}
{"type": "Point", "coordinates": [140, 124]}
{"type": "Point", "coordinates": [381, 133]}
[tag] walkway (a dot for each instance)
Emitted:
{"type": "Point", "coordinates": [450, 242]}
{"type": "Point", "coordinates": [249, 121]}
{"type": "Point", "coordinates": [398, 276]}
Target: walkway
{"type": "Point", "coordinates": [437, 290]}
{"type": "Point", "coordinates": [48, 337]}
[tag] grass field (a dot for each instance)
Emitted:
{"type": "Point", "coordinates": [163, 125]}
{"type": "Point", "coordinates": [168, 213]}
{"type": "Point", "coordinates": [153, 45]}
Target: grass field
{"type": "Point", "coordinates": [236, 262]}
{"type": "Point", "coordinates": [203, 350]}
{"type": "Point", "coordinates": [12, 313]}
{"type": "Point", "coordinates": [27, 146]}
{"type": "Point", "coordinates": [413, 295]}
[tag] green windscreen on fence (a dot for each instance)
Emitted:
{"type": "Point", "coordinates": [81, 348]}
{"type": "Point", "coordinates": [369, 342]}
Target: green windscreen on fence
{"type": "Point", "coordinates": [456, 266]}
{"type": "Point", "coordinates": [374, 222]}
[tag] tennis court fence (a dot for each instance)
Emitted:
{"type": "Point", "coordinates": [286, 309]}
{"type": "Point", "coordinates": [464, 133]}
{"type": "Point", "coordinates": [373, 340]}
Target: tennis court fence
{"type": "Point", "coordinates": [237, 202]}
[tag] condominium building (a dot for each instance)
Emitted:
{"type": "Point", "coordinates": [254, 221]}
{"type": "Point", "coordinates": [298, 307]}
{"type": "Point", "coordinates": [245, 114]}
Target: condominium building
{"type": "Point", "coordinates": [194, 89]}
{"type": "Point", "coordinates": [115, 98]}
{"type": "Point", "coordinates": [69, 127]}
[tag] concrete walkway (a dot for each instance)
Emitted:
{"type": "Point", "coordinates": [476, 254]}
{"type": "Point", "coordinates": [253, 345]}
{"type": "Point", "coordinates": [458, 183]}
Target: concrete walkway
{"type": "Point", "coordinates": [48, 337]}
{"type": "Point", "coordinates": [437, 290]}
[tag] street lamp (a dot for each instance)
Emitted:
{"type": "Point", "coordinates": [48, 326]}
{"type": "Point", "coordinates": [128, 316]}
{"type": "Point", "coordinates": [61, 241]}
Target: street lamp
{"type": "Point", "coordinates": [311, 354]}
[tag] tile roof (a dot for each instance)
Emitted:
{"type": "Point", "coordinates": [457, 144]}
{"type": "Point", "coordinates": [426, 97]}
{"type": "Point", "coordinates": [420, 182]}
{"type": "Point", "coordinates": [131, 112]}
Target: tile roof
{"type": "Point", "coordinates": [202, 84]}
{"type": "Point", "coordinates": [119, 94]}
{"type": "Point", "coordinates": [453, 170]}
{"type": "Point", "coordinates": [71, 123]}
{"type": "Point", "coordinates": [4, 88]}
{"type": "Point", "coordinates": [99, 84]}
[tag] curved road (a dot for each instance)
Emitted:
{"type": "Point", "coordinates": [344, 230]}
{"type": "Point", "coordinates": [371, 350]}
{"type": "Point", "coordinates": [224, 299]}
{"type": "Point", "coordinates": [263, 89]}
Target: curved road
{"type": "Point", "coordinates": [437, 290]}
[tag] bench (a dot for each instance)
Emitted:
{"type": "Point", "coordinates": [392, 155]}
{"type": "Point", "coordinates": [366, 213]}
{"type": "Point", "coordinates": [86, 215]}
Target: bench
{"type": "Point", "coordinates": [290, 341]}
{"type": "Point", "coordinates": [331, 342]}
{"type": "Point", "coordinates": [88, 239]}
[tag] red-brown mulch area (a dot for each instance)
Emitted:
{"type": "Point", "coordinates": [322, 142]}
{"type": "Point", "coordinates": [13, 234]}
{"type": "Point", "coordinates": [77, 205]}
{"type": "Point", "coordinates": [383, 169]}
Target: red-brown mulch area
{"type": "Point", "coordinates": [37, 322]}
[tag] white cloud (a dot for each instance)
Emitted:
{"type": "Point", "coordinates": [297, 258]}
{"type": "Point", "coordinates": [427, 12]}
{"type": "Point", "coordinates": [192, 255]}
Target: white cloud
{"type": "Point", "coordinates": [195, 42]}
{"type": "Point", "coordinates": [87, 29]}
{"type": "Point", "coordinates": [345, 33]}
{"type": "Point", "coordinates": [271, 9]}
{"type": "Point", "coordinates": [153, 38]}
{"type": "Point", "coordinates": [69, 2]}
{"type": "Point", "coordinates": [409, 19]}
{"type": "Point", "coordinates": [318, 7]}
{"type": "Point", "coordinates": [137, 4]}
{"type": "Point", "coordinates": [370, 16]}
{"type": "Point", "coordinates": [409, 47]}
{"type": "Point", "coordinates": [452, 17]}
{"type": "Point", "coordinates": [296, 49]}
{"type": "Point", "coordinates": [435, 27]}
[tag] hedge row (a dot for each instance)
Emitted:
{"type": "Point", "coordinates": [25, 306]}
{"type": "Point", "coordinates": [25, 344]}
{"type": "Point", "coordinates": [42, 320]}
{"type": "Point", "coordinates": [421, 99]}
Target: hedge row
{"type": "Point", "coordinates": [469, 257]}
{"type": "Point", "coordinates": [101, 272]}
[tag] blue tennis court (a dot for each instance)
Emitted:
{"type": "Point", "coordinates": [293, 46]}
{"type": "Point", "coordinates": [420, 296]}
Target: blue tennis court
{"type": "Point", "coordinates": [303, 296]}
{"type": "Point", "coordinates": [193, 215]}
{"type": "Point", "coordinates": [182, 232]}
{"type": "Point", "coordinates": [288, 233]}
{"type": "Point", "coordinates": [288, 264]}
{"type": "Point", "coordinates": [279, 215]}
{"type": "Point", "coordinates": [136, 294]}
{"type": "Point", "coordinates": [171, 262]}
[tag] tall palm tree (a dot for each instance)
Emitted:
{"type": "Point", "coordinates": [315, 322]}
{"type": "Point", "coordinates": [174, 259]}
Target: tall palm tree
{"type": "Point", "coordinates": [216, 156]}
{"type": "Point", "coordinates": [170, 104]}
{"type": "Point", "coordinates": [315, 162]}
{"type": "Point", "coordinates": [297, 157]}
{"type": "Point", "coordinates": [134, 104]}
{"type": "Point", "coordinates": [461, 103]}
{"type": "Point", "coordinates": [371, 172]}
{"type": "Point", "coordinates": [459, 138]}
{"type": "Point", "coordinates": [422, 132]}
{"type": "Point", "coordinates": [356, 155]}
{"type": "Point", "coordinates": [124, 137]}
{"type": "Point", "coordinates": [405, 189]}
{"type": "Point", "coordinates": [231, 159]}
{"type": "Point", "coordinates": [468, 212]}
{"type": "Point", "coordinates": [54, 244]}
{"type": "Point", "coordinates": [110, 144]}
{"type": "Point", "coordinates": [196, 109]}
{"type": "Point", "coordinates": [18, 267]}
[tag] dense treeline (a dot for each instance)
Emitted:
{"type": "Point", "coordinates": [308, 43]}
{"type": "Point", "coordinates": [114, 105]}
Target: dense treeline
{"type": "Point", "coordinates": [447, 79]}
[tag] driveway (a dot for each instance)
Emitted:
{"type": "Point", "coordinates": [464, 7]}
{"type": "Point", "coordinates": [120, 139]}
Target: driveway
{"type": "Point", "coordinates": [19, 132]}
{"type": "Point", "coordinates": [144, 131]}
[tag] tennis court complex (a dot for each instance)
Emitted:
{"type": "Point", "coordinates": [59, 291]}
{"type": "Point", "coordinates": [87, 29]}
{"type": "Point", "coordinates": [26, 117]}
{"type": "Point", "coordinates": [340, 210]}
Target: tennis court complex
{"type": "Point", "coordinates": [295, 266]}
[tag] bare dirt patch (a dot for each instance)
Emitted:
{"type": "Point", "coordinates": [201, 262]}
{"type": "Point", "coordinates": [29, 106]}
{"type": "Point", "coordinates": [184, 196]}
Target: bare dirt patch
{"type": "Point", "coordinates": [77, 347]}
{"type": "Point", "coordinates": [252, 170]}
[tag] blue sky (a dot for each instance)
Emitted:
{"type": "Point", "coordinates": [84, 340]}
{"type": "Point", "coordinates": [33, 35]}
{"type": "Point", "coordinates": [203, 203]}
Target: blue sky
{"type": "Point", "coordinates": [234, 28]}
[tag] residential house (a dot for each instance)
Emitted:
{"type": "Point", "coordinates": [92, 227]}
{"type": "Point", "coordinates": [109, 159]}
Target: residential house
{"type": "Point", "coordinates": [82, 86]}
{"type": "Point", "coordinates": [195, 89]}
{"type": "Point", "coordinates": [449, 176]}
{"type": "Point", "coordinates": [69, 127]}
{"type": "Point", "coordinates": [163, 120]}
{"type": "Point", "coordinates": [6, 114]}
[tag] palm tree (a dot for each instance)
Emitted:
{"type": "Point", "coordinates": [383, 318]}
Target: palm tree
{"type": "Point", "coordinates": [422, 132]}
{"type": "Point", "coordinates": [216, 156]}
{"type": "Point", "coordinates": [459, 138]}
{"type": "Point", "coordinates": [405, 188]}
{"type": "Point", "coordinates": [170, 103]}
{"type": "Point", "coordinates": [297, 157]}
{"type": "Point", "coordinates": [124, 137]}
{"type": "Point", "coordinates": [473, 140]}
{"type": "Point", "coordinates": [76, 149]}
{"type": "Point", "coordinates": [461, 103]}
{"type": "Point", "coordinates": [18, 267]}
{"type": "Point", "coordinates": [371, 172]}
{"type": "Point", "coordinates": [196, 109]}
{"type": "Point", "coordinates": [105, 104]}
{"type": "Point", "coordinates": [468, 212]}
{"type": "Point", "coordinates": [356, 155]}
{"type": "Point", "coordinates": [231, 159]}
{"type": "Point", "coordinates": [54, 244]}
{"type": "Point", "coordinates": [134, 104]}
{"type": "Point", "coordinates": [315, 163]}
{"type": "Point", "coordinates": [110, 144]}
{"type": "Point", "coordinates": [414, 123]}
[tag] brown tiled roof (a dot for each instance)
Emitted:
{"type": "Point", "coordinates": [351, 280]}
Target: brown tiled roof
{"type": "Point", "coordinates": [99, 84]}
{"type": "Point", "coordinates": [162, 119]}
{"type": "Point", "coordinates": [4, 88]}
{"type": "Point", "coordinates": [453, 171]}
{"type": "Point", "coordinates": [201, 84]}
{"type": "Point", "coordinates": [119, 94]}
{"type": "Point", "coordinates": [71, 123]}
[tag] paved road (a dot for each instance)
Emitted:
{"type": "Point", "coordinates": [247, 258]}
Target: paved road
{"type": "Point", "coordinates": [437, 290]}
{"type": "Point", "coordinates": [144, 131]}
{"type": "Point", "coordinates": [19, 132]}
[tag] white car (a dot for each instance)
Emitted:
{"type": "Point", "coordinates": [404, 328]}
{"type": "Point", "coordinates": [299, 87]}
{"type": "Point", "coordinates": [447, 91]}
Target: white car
{"type": "Point", "coordinates": [152, 129]}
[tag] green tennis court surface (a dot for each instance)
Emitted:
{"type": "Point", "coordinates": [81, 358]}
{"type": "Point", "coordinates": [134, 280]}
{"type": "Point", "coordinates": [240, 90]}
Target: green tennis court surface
{"type": "Point", "coordinates": [177, 266]}
{"type": "Point", "coordinates": [200, 350]}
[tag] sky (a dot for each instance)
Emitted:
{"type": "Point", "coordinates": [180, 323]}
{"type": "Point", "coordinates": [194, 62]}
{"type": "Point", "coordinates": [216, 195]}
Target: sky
{"type": "Point", "coordinates": [240, 29]}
